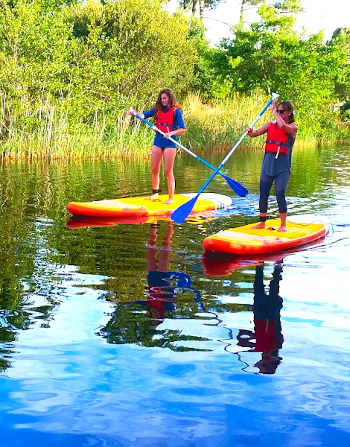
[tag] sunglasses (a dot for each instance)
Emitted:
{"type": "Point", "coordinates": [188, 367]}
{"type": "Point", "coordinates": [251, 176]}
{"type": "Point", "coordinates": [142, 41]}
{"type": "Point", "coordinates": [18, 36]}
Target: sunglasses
{"type": "Point", "coordinates": [281, 111]}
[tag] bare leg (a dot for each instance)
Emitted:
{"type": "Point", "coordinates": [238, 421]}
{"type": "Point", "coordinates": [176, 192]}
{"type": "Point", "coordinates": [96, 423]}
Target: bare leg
{"type": "Point", "coordinates": [156, 159]}
{"type": "Point", "coordinates": [262, 223]}
{"type": "Point", "coordinates": [283, 217]}
{"type": "Point", "coordinates": [164, 258]}
{"type": "Point", "coordinates": [151, 252]}
{"type": "Point", "coordinates": [169, 158]}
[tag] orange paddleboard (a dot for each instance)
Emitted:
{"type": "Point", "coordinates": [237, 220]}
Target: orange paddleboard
{"type": "Point", "coordinates": [246, 240]}
{"type": "Point", "coordinates": [141, 207]}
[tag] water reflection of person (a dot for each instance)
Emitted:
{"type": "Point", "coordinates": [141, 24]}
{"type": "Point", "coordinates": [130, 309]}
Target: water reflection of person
{"type": "Point", "coordinates": [267, 321]}
{"type": "Point", "coordinates": [160, 294]}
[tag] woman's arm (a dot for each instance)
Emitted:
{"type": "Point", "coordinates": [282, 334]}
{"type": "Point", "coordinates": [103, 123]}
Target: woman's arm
{"type": "Point", "coordinates": [289, 128]}
{"type": "Point", "coordinates": [145, 115]}
{"type": "Point", "coordinates": [256, 133]}
{"type": "Point", "coordinates": [179, 131]}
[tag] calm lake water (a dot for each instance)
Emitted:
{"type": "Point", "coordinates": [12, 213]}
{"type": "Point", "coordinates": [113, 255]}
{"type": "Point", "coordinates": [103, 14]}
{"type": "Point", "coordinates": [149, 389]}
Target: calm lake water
{"type": "Point", "coordinates": [93, 352]}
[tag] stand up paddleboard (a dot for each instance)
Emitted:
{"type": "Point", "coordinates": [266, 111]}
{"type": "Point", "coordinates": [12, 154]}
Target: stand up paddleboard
{"type": "Point", "coordinates": [223, 264]}
{"type": "Point", "coordinates": [141, 207]}
{"type": "Point", "coordinates": [249, 241]}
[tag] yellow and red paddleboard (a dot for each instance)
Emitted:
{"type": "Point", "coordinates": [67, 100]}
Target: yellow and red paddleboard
{"type": "Point", "coordinates": [222, 264]}
{"type": "Point", "coordinates": [141, 207]}
{"type": "Point", "coordinates": [249, 241]}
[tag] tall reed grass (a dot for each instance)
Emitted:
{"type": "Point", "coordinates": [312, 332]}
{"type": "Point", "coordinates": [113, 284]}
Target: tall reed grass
{"type": "Point", "coordinates": [51, 131]}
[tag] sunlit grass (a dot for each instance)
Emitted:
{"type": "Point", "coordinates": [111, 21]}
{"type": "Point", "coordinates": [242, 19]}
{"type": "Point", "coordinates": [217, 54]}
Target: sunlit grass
{"type": "Point", "coordinates": [48, 132]}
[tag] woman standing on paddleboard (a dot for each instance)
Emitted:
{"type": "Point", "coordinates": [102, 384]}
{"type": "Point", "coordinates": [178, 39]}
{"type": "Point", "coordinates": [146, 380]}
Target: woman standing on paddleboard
{"type": "Point", "coordinates": [276, 167]}
{"type": "Point", "coordinates": [168, 117]}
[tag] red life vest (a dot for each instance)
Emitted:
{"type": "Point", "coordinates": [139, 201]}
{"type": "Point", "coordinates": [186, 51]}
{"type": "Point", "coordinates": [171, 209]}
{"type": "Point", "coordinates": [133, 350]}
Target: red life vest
{"type": "Point", "coordinates": [276, 140]}
{"type": "Point", "coordinates": [165, 120]}
{"type": "Point", "coordinates": [265, 333]}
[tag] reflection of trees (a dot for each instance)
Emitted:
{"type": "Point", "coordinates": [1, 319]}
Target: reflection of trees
{"type": "Point", "coordinates": [132, 323]}
{"type": "Point", "coordinates": [137, 322]}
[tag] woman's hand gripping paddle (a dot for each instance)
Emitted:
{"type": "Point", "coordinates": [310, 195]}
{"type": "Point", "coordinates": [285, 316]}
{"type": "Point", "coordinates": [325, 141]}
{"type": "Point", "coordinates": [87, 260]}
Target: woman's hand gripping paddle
{"type": "Point", "coordinates": [180, 214]}
{"type": "Point", "coordinates": [235, 186]}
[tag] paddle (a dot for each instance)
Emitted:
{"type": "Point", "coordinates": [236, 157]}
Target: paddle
{"type": "Point", "coordinates": [236, 187]}
{"type": "Point", "coordinates": [180, 214]}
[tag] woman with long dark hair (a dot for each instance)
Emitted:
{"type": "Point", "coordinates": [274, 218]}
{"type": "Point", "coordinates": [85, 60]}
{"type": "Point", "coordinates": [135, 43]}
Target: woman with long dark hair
{"type": "Point", "coordinates": [168, 117]}
{"type": "Point", "coordinates": [276, 167]}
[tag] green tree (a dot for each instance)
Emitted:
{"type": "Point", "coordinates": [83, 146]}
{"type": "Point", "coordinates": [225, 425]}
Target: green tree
{"type": "Point", "coordinates": [271, 56]}
{"type": "Point", "coordinates": [341, 36]}
{"type": "Point", "coordinates": [90, 57]}
{"type": "Point", "coordinates": [289, 6]}
{"type": "Point", "coordinates": [205, 83]}
{"type": "Point", "coordinates": [245, 4]}
{"type": "Point", "coordinates": [199, 6]}
{"type": "Point", "coordinates": [285, 6]}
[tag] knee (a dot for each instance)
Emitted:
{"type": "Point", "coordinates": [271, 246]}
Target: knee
{"type": "Point", "coordinates": [169, 172]}
{"type": "Point", "coordinates": [280, 194]}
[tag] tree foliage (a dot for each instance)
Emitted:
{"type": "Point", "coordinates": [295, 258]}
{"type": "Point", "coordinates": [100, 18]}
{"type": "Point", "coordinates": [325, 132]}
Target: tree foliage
{"type": "Point", "coordinates": [93, 56]}
{"type": "Point", "coordinates": [341, 36]}
{"type": "Point", "coordinates": [285, 6]}
{"type": "Point", "coordinates": [289, 6]}
{"type": "Point", "coordinates": [199, 6]}
{"type": "Point", "coordinates": [271, 56]}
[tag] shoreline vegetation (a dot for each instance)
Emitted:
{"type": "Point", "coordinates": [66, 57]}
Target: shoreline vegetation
{"type": "Point", "coordinates": [69, 70]}
{"type": "Point", "coordinates": [214, 126]}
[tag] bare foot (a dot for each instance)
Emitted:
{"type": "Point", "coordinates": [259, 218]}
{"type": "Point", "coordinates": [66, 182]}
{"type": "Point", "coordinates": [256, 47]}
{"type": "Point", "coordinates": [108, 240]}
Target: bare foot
{"type": "Point", "coordinates": [260, 225]}
{"type": "Point", "coordinates": [152, 197]}
{"type": "Point", "coordinates": [169, 201]}
{"type": "Point", "coordinates": [282, 228]}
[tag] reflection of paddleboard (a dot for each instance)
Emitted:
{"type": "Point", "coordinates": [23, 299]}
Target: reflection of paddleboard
{"type": "Point", "coordinates": [141, 207]}
{"type": "Point", "coordinates": [76, 221]}
{"type": "Point", "coordinates": [222, 264]}
{"type": "Point", "coordinates": [249, 241]}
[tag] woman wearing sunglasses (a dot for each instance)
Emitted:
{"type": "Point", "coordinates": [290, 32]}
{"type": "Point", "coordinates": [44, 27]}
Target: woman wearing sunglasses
{"type": "Point", "coordinates": [276, 167]}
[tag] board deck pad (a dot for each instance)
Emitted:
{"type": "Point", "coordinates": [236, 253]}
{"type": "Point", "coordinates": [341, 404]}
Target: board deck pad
{"type": "Point", "coordinates": [246, 240]}
{"type": "Point", "coordinates": [141, 207]}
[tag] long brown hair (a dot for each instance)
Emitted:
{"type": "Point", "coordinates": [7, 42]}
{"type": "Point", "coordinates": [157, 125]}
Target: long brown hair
{"type": "Point", "coordinates": [287, 105]}
{"type": "Point", "coordinates": [173, 104]}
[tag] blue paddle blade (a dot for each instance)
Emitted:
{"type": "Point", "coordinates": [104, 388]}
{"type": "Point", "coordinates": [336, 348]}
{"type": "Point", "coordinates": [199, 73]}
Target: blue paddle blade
{"type": "Point", "coordinates": [236, 186]}
{"type": "Point", "coordinates": [183, 211]}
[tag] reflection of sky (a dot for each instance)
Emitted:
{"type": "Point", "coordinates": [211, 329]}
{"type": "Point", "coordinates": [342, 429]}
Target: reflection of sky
{"type": "Point", "coordinates": [67, 380]}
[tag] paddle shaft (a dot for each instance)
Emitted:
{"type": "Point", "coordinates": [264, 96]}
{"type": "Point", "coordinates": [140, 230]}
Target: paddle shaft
{"type": "Point", "coordinates": [180, 214]}
{"type": "Point", "coordinates": [274, 95]}
{"type": "Point", "coordinates": [155, 128]}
